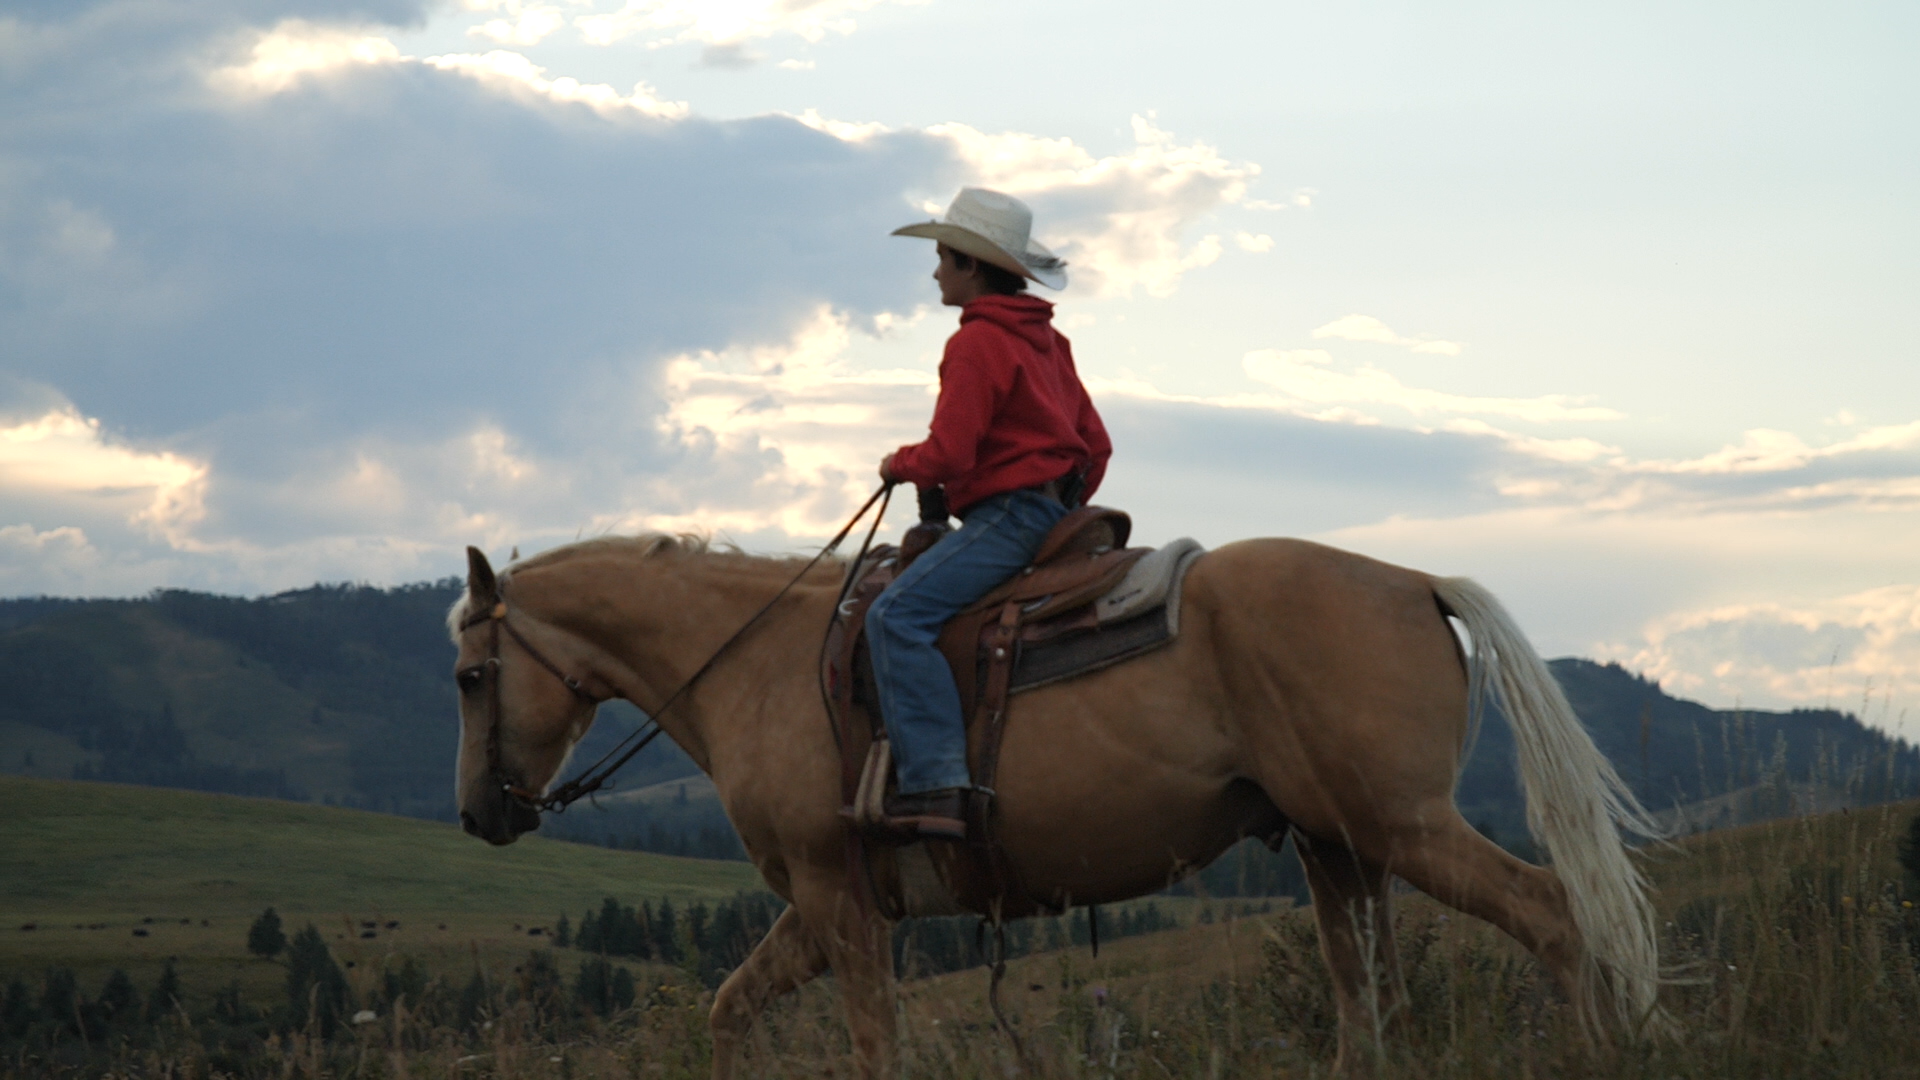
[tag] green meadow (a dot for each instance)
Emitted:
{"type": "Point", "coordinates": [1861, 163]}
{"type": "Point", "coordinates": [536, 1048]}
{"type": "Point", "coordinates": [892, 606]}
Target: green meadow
{"type": "Point", "coordinates": [1794, 949]}
{"type": "Point", "coordinates": [111, 875]}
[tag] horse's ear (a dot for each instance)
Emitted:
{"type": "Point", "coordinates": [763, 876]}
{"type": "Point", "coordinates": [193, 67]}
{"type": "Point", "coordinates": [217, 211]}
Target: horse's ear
{"type": "Point", "coordinates": [480, 581]}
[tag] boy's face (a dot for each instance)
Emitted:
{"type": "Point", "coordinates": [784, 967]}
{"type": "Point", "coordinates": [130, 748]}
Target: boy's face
{"type": "Point", "coordinates": [958, 287]}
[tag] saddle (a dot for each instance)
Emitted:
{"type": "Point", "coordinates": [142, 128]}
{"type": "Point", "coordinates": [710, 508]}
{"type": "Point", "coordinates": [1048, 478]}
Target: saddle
{"type": "Point", "coordinates": [1069, 612]}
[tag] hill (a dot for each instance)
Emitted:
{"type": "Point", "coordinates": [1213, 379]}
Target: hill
{"type": "Point", "coordinates": [335, 694]}
{"type": "Point", "coordinates": [115, 850]}
{"type": "Point", "coordinates": [1685, 759]}
{"type": "Point", "coordinates": [114, 873]}
{"type": "Point", "coordinates": [342, 695]}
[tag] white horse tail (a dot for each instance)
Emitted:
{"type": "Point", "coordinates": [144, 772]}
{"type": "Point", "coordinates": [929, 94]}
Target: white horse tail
{"type": "Point", "coordinates": [1577, 805]}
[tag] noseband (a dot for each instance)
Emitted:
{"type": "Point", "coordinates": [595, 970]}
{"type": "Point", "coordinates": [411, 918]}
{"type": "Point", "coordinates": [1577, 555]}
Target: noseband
{"type": "Point", "coordinates": [489, 669]}
{"type": "Point", "coordinates": [596, 775]}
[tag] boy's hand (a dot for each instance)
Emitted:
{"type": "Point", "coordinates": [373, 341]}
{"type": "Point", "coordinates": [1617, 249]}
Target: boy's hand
{"type": "Point", "coordinates": [886, 470]}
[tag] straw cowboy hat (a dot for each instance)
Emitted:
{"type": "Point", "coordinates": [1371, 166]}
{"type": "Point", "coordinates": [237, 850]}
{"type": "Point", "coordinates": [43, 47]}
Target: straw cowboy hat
{"type": "Point", "coordinates": [994, 228]}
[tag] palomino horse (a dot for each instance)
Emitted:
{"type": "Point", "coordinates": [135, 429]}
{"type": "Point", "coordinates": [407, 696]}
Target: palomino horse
{"type": "Point", "coordinates": [1310, 691]}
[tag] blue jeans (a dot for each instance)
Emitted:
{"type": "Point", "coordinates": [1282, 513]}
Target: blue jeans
{"type": "Point", "coordinates": [918, 700]}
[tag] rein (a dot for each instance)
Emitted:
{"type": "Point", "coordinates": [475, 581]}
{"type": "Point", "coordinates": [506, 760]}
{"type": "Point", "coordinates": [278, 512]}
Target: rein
{"type": "Point", "coordinates": [595, 776]}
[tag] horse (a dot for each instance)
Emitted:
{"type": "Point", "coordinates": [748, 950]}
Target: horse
{"type": "Point", "coordinates": [1310, 692]}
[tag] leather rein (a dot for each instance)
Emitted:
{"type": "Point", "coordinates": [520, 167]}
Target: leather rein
{"type": "Point", "coordinates": [595, 776]}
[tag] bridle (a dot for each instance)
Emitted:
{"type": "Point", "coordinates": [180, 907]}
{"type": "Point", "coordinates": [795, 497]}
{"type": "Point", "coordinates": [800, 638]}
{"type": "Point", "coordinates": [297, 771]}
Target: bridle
{"type": "Point", "coordinates": [595, 776]}
{"type": "Point", "coordinates": [489, 669]}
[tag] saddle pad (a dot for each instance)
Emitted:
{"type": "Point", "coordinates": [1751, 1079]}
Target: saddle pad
{"type": "Point", "coordinates": [1141, 614]}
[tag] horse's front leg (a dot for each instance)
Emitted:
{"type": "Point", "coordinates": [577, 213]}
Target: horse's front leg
{"type": "Point", "coordinates": [858, 944]}
{"type": "Point", "coordinates": [786, 958]}
{"type": "Point", "coordinates": [1354, 904]}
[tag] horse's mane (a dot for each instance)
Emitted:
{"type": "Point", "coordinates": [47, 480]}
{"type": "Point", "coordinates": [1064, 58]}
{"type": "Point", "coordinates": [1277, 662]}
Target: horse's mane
{"type": "Point", "coordinates": [640, 546]}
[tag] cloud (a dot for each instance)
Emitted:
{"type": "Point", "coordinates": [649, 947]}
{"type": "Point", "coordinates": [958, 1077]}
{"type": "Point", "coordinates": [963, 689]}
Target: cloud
{"type": "Point", "coordinates": [523, 23]}
{"type": "Point", "coordinates": [1764, 450]}
{"type": "Point", "coordinates": [396, 304]}
{"type": "Point", "coordinates": [296, 49]}
{"type": "Point", "coordinates": [1309, 376]}
{"type": "Point", "coordinates": [1300, 199]}
{"type": "Point", "coordinates": [722, 24]}
{"type": "Point", "coordinates": [514, 74]}
{"type": "Point", "coordinates": [1840, 652]}
{"type": "Point", "coordinates": [62, 457]}
{"type": "Point", "coordinates": [729, 56]}
{"type": "Point", "coordinates": [1120, 220]}
{"type": "Point", "coordinates": [1367, 328]}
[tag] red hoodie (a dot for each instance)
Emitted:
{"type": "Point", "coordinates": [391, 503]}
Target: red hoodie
{"type": "Point", "coordinates": [1012, 412]}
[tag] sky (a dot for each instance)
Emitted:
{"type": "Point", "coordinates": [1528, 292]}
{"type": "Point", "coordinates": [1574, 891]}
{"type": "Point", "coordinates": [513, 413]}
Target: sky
{"type": "Point", "coordinates": [1610, 307]}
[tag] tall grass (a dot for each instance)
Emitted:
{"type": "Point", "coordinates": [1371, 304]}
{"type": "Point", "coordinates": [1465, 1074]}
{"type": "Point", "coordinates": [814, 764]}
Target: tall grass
{"type": "Point", "coordinates": [1794, 951]}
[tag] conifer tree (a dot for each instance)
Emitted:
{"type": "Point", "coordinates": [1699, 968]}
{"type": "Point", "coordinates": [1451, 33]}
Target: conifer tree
{"type": "Point", "coordinates": [317, 991]}
{"type": "Point", "coordinates": [119, 1003]}
{"type": "Point", "coordinates": [166, 994]}
{"type": "Point", "coordinates": [265, 938]}
{"type": "Point", "coordinates": [1910, 851]}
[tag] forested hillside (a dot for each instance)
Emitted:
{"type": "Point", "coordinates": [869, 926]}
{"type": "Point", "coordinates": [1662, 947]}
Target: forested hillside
{"type": "Point", "coordinates": [342, 694]}
{"type": "Point", "coordinates": [337, 694]}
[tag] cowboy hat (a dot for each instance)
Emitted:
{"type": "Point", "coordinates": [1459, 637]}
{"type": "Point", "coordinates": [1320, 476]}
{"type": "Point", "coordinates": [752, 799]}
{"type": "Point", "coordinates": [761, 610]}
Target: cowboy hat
{"type": "Point", "coordinates": [994, 228]}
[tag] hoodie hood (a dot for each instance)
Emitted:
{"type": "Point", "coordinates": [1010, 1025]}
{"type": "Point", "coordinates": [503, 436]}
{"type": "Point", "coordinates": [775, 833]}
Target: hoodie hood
{"type": "Point", "coordinates": [1027, 316]}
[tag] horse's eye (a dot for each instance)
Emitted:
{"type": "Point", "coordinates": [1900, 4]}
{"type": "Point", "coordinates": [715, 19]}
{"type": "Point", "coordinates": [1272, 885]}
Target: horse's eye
{"type": "Point", "coordinates": [469, 680]}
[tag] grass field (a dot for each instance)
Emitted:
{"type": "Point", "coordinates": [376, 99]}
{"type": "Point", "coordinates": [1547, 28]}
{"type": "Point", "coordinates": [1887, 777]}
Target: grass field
{"type": "Point", "coordinates": [89, 864]}
{"type": "Point", "coordinates": [1795, 950]}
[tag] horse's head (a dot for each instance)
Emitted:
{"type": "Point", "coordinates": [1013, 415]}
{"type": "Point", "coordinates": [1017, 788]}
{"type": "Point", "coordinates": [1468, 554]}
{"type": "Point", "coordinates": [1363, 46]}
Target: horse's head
{"type": "Point", "coordinates": [520, 713]}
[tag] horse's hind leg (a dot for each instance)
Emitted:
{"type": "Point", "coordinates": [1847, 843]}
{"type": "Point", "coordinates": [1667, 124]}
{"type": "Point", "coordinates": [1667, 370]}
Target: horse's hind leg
{"type": "Point", "coordinates": [786, 958]}
{"type": "Point", "coordinates": [1455, 865]}
{"type": "Point", "coordinates": [1354, 905]}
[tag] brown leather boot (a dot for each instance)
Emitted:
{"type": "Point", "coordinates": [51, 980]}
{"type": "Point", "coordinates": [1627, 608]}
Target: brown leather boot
{"type": "Point", "coordinates": [941, 814]}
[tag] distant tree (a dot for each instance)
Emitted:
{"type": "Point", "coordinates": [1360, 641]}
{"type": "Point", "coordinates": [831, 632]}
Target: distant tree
{"type": "Point", "coordinates": [16, 1009]}
{"type": "Point", "coordinates": [540, 986]}
{"type": "Point", "coordinates": [119, 1003]}
{"type": "Point", "coordinates": [408, 983]}
{"type": "Point", "coordinates": [317, 992]}
{"type": "Point", "coordinates": [60, 1000]}
{"type": "Point", "coordinates": [665, 946]}
{"type": "Point", "coordinates": [264, 938]}
{"type": "Point", "coordinates": [1910, 850]}
{"type": "Point", "coordinates": [165, 997]}
{"type": "Point", "coordinates": [593, 989]}
{"type": "Point", "coordinates": [230, 1005]}
{"type": "Point", "coordinates": [589, 939]}
{"type": "Point", "coordinates": [474, 1003]}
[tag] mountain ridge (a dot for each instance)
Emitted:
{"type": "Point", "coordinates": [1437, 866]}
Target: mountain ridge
{"type": "Point", "coordinates": [342, 694]}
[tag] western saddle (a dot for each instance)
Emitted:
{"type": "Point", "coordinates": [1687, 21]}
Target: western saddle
{"type": "Point", "coordinates": [1082, 559]}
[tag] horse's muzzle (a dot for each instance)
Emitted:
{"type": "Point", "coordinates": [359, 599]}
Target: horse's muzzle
{"type": "Point", "coordinates": [507, 820]}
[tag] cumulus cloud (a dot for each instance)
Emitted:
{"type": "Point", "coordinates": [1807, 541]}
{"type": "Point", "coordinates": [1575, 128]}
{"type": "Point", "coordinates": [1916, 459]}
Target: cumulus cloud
{"type": "Point", "coordinates": [1839, 652]}
{"type": "Point", "coordinates": [62, 456]}
{"type": "Point", "coordinates": [513, 73]}
{"type": "Point", "coordinates": [520, 23]}
{"type": "Point", "coordinates": [1368, 328]}
{"type": "Point", "coordinates": [1312, 377]}
{"type": "Point", "coordinates": [295, 49]}
{"type": "Point", "coordinates": [1121, 220]}
{"type": "Point", "coordinates": [397, 303]}
{"type": "Point", "coordinates": [721, 24]}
